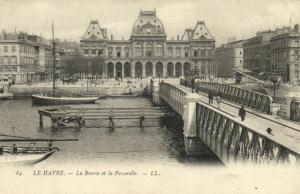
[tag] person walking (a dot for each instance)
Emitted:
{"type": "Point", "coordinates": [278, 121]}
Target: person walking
{"type": "Point", "coordinates": [218, 101]}
{"type": "Point", "coordinates": [209, 97]}
{"type": "Point", "coordinates": [242, 112]}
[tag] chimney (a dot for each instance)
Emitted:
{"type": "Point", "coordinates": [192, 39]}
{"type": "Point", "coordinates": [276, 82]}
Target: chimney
{"type": "Point", "coordinates": [112, 37]}
{"type": "Point", "coordinates": [177, 37]}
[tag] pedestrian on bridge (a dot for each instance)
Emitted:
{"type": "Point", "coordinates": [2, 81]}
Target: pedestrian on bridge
{"type": "Point", "coordinates": [242, 112]}
{"type": "Point", "coordinates": [218, 101]}
{"type": "Point", "coordinates": [210, 97]}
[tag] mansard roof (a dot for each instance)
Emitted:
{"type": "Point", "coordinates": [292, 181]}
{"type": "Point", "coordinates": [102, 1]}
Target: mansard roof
{"type": "Point", "coordinates": [94, 32]}
{"type": "Point", "coordinates": [148, 23]}
{"type": "Point", "coordinates": [200, 32]}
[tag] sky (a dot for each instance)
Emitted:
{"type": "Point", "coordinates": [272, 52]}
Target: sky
{"type": "Point", "coordinates": [224, 18]}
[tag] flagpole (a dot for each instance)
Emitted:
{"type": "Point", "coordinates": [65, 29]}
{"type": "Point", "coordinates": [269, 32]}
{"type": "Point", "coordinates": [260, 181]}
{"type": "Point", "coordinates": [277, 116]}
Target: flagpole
{"type": "Point", "coordinates": [54, 59]}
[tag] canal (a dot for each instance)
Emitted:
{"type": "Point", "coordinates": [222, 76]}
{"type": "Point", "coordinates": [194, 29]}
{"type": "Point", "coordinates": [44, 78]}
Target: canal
{"type": "Point", "coordinates": [128, 143]}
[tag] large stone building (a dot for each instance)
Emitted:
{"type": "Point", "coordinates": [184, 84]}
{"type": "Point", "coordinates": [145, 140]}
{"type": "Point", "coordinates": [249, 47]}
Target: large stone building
{"type": "Point", "coordinates": [24, 57]}
{"type": "Point", "coordinates": [148, 52]}
{"type": "Point", "coordinates": [228, 57]}
{"type": "Point", "coordinates": [257, 53]}
{"type": "Point", "coordinates": [285, 47]}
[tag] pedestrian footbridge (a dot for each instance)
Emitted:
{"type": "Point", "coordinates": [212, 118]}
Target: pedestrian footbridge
{"type": "Point", "coordinates": [223, 132]}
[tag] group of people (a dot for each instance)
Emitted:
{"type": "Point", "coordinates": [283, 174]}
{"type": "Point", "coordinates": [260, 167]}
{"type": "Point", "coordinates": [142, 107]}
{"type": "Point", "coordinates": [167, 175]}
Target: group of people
{"type": "Point", "coordinates": [211, 99]}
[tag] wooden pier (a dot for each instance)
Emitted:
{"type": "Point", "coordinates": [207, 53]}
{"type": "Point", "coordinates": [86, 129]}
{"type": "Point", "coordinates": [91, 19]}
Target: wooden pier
{"type": "Point", "coordinates": [65, 116]}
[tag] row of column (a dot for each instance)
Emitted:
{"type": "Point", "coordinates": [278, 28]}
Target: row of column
{"type": "Point", "coordinates": [143, 70]}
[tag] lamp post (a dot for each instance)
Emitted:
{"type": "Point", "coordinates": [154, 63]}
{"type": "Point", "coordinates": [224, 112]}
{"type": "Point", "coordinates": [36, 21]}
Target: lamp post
{"type": "Point", "coordinates": [274, 79]}
{"type": "Point", "coordinates": [192, 78]}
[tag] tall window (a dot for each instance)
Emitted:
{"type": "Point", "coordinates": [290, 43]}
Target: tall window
{"type": "Point", "coordinates": [110, 51]}
{"type": "Point", "coordinates": [118, 51]}
{"type": "Point", "coordinates": [138, 50]}
{"type": "Point", "coordinates": [13, 49]}
{"type": "Point", "coordinates": [159, 50]}
{"type": "Point", "coordinates": [178, 51]}
{"type": "Point", "coordinates": [148, 49]}
{"type": "Point", "coordinates": [86, 50]}
{"type": "Point", "coordinates": [186, 51]}
{"type": "Point", "coordinates": [5, 49]}
{"type": "Point", "coordinates": [195, 49]}
{"type": "Point", "coordinates": [93, 51]}
{"type": "Point", "coordinates": [126, 49]}
{"type": "Point", "coordinates": [100, 51]}
{"type": "Point", "coordinates": [170, 51]}
{"type": "Point", "coordinates": [14, 60]}
{"type": "Point", "coordinates": [209, 52]}
{"type": "Point", "coordinates": [202, 52]}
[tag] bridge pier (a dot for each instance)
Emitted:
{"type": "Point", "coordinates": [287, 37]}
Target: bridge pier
{"type": "Point", "coordinates": [192, 143]}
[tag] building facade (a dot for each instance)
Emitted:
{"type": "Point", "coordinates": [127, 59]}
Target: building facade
{"type": "Point", "coordinates": [228, 57]}
{"type": "Point", "coordinates": [285, 47]}
{"type": "Point", "coordinates": [24, 57]}
{"type": "Point", "coordinates": [257, 53]}
{"type": "Point", "coordinates": [148, 52]}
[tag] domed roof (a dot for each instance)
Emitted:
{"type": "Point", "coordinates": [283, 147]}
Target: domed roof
{"type": "Point", "coordinates": [148, 24]}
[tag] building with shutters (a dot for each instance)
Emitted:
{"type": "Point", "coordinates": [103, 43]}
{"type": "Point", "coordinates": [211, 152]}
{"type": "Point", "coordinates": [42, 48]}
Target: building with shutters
{"type": "Point", "coordinates": [148, 52]}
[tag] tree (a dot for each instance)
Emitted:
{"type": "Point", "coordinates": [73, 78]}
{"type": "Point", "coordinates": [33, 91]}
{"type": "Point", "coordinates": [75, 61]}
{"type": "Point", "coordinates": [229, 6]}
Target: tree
{"type": "Point", "coordinates": [81, 64]}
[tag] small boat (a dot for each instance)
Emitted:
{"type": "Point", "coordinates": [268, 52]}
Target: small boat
{"type": "Point", "coordinates": [50, 100]}
{"type": "Point", "coordinates": [31, 154]}
{"type": "Point", "coordinates": [24, 155]}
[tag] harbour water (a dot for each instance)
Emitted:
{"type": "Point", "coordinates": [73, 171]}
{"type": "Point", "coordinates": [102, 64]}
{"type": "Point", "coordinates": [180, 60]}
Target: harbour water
{"type": "Point", "coordinates": [128, 143]}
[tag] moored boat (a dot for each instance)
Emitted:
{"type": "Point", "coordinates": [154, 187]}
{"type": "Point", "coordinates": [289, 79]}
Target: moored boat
{"type": "Point", "coordinates": [50, 100]}
{"type": "Point", "coordinates": [25, 155]}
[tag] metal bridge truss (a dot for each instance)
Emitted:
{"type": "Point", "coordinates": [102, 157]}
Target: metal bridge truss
{"type": "Point", "coordinates": [249, 98]}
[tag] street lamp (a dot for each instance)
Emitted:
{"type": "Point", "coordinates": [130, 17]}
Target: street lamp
{"type": "Point", "coordinates": [192, 76]}
{"type": "Point", "coordinates": [275, 80]}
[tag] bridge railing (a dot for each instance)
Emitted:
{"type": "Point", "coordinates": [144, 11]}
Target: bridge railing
{"type": "Point", "coordinates": [233, 141]}
{"type": "Point", "coordinates": [249, 98]}
{"type": "Point", "coordinates": [173, 96]}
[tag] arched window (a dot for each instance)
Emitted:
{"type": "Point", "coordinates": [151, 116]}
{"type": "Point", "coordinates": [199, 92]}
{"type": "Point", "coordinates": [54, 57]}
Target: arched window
{"type": "Point", "coordinates": [159, 50]}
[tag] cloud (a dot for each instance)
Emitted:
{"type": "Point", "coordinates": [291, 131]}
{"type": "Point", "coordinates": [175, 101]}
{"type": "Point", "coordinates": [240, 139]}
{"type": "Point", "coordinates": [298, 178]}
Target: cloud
{"type": "Point", "coordinates": [223, 18]}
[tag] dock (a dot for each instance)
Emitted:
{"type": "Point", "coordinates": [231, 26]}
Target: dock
{"type": "Point", "coordinates": [66, 116]}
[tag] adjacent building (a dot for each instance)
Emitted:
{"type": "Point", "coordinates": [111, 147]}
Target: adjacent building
{"type": "Point", "coordinates": [257, 53]}
{"type": "Point", "coordinates": [24, 57]}
{"type": "Point", "coordinates": [148, 52]}
{"type": "Point", "coordinates": [285, 49]}
{"type": "Point", "coordinates": [228, 57]}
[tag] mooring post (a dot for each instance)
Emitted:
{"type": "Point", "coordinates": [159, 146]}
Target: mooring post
{"type": "Point", "coordinates": [142, 117]}
{"type": "Point", "coordinates": [111, 119]}
{"type": "Point", "coordinates": [41, 121]}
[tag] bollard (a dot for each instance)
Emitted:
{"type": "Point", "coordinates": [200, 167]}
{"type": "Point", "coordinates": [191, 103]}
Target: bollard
{"type": "Point", "coordinates": [41, 121]}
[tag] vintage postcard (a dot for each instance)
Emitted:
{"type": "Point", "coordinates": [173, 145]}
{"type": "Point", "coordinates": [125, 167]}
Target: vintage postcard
{"type": "Point", "coordinates": [149, 96]}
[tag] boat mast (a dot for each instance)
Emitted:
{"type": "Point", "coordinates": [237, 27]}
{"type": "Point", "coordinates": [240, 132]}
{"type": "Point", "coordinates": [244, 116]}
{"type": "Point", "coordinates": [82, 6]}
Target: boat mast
{"type": "Point", "coordinates": [54, 60]}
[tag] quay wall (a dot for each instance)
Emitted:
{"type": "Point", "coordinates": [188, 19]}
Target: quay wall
{"type": "Point", "coordinates": [27, 91]}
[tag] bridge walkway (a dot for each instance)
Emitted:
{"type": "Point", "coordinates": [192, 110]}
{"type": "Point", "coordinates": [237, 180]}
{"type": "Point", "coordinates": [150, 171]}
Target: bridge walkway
{"type": "Point", "coordinates": [284, 133]}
